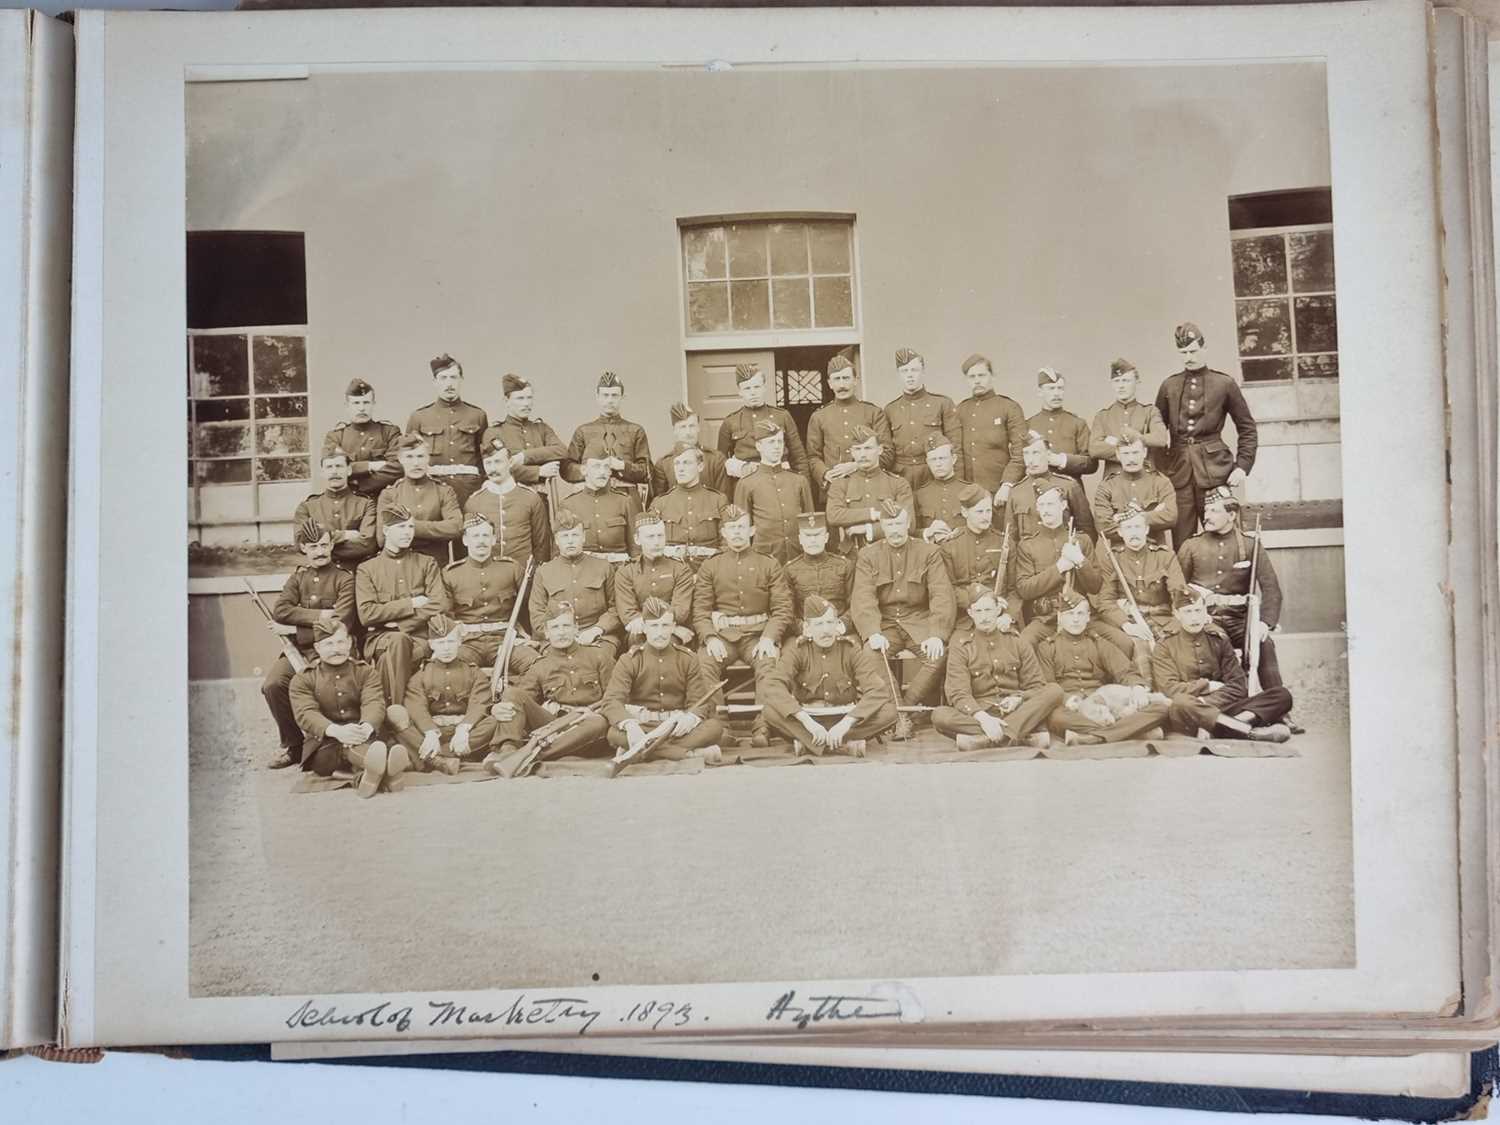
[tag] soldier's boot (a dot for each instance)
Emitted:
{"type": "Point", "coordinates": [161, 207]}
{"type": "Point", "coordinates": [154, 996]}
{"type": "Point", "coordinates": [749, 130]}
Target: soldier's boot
{"type": "Point", "coordinates": [376, 763]}
{"type": "Point", "coordinates": [921, 685]}
{"type": "Point", "coordinates": [711, 754]}
{"type": "Point", "coordinates": [502, 759]}
{"type": "Point", "coordinates": [855, 747]}
{"type": "Point", "coordinates": [1038, 738]}
{"type": "Point", "coordinates": [446, 763]}
{"type": "Point", "coordinates": [283, 760]}
{"type": "Point", "coordinates": [1073, 738]}
{"type": "Point", "coordinates": [1276, 732]}
{"type": "Point", "coordinates": [979, 741]}
{"type": "Point", "coordinates": [398, 762]}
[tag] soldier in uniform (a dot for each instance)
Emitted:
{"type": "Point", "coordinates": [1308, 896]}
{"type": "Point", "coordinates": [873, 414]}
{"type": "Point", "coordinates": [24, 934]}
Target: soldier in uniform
{"type": "Point", "coordinates": [854, 500]}
{"type": "Point", "coordinates": [1049, 563]}
{"type": "Point", "coordinates": [536, 452]}
{"type": "Point", "coordinates": [395, 593]}
{"type": "Point", "coordinates": [1067, 434]}
{"type": "Point", "coordinates": [607, 513]}
{"type": "Point", "coordinates": [583, 581]}
{"type": "Point", "coordinates": [518, 515]}
{"type": "Point", "coordinates": [1194, 403]}
{"type": "Point", "coordinates": [1133, 483]}
{"type": "Point", "coordinates": [773, 495]}
{"type": "Point", "coordinates": [1153, 577]}
{"type": "Point", "coordinates": [1125, 420]}
{"type": "Point", "coordinates": [662, 682]}
{"type": "Point", "coordinates": [348, 516]}
{"type": "Point", "coordinates": [1036, 457]}
{"type": "Point", "coordinates": [691, 510]}
{"type": "Point", "coordinates": [973, 553]}
{"type": "Point", "coordinates": [830, 430]}
{"type": "Point", "coordinates": [903, 598]}
{"type": "Point", "coordinates": [337, 703]}
{"type": "Point", "coordinates": [742, 607]}
{"type": "Point", "coordinates": [651, 574]}
{"type": "Point", "coordinates": [432, 504]}
{"type": "Point", "coordinates": [567, 677]}
{"type": "Point", "coordinates": [1197, 666]}
{"type": "Point", "coordinates": [740, 432]}
{"type": "Point", "coordinates": [818, 571]}
{"type": "Point", "coordinates": [621, 442]}
{"type": "Point", "coordinates": [444, 719]}
{"type": "Point", "coordinates": [825, 668]}
{"type": "Point", "coordinates": [938, 517]}
{"type": "Point", "coordinates": [993, 429]}
{"type": "Point", "coordinates": [369, 445]}
{"type": "Point", "coordinates": [482, 590]}
{"type": "Point", "coordinates": [916, 415]}
{"type": "Point", "coordinates": [1078, 661]}
{"type": "Point", "coordinates": [452, 429]}
{"type": "Point", "coordinates": [996, 691]}
{"type": "Point", "coordinates": [687, 434]}
{"type": "Point", "coordinates": [318, 591]}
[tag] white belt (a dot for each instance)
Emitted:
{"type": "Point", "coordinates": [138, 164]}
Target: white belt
{"type": "Point", "coordinates": [447, 720]}
{"type": "Point", "coordinates": [452, 471]}
{"type": "Point", "coordinates": [645, 714]}
{"type": "Point", "coordinates": [609, 556]}
{"type": "Point", "coordinates": [749, 619]}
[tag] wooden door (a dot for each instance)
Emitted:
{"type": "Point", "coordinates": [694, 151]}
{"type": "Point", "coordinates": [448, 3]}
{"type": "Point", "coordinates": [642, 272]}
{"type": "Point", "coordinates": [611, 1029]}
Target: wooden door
{"type": "Point", "coordinates": [711, 387]}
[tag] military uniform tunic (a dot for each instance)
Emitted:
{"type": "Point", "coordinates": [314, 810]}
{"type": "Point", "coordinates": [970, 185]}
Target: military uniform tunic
{"type": "Point", "coordinates": [568, 679]}
{"type": "Point", "coordinates": [363, 444]}
{"type": "Point", "coordinates": [845, 673]}
{"type": "Point", "coordinates": [1222, 563]}
{"type": "Point", "coordinates": [453, 431]}
{"type": "Point", "coordinates": [453, 691]}
{"type": "Point", "coordinates": [340, 512]}
{"type": "Point", "coordinates": [435, 508]}
{"type": "Point", "coordinates": [1184, 665]}
{"type": "Point", "coordinates": [975, 558]}
{"type": "Point", "coordinates": [325, 695]}
{"type": "Point", "coordinates": [308, 591]}
{"type": "Point", "coordinates": [610, 437]}
{"type": "Point", "coordinates": [1194, 405]}
{"type": "Point", "coordinates": [692, 519]}
{"type": "Point", "coordinates": [1080, 666]}
{"type": "Point", "coordinates": [608, 516]}
{"type": "Point", "coordinates": [854, 501]}
{"type": "Point", "coordinates": [714, 475]}
{"type": "Point", "coordinates": [828, 575]}
{"type": "Point", "coordinates": [1069, 434]}
{"type": "Point", "coordinates": [774, 497]}
{"type": "Point", "coordinates": [1039, 582]}
{"type": "Point", "coordinates": [994, 433]}
{"type": "Point", "coordinates": [1112, 422]}
{"type": "Point", "coordinates": [1153, 575]}
{"type": "Point", "coordinates": [914, 418]}
{"type": "Point", "coordinates": [483, 593]}
{"type": "Point", "coordinates": [646, 684]}
{"type": "Point", "coordinates": [585, 581]}
{"type": "Point", "coordinates": [742, 584]}
{"type": "Point", "coordinates": [830, 433]}
{"type": "Point", "coordinates": [383, 589]}
{"type": "Point", "coordinates": [1148, 488]}
{"type": "Point", "coordinates": [661, 577]}
{"type": "Point", "coordinates": [519, 516]}
{"type": "Point", "coordinates": [1021, 508]}
{"type": "Point", "coordinates": [983, 670]}
{"type": "Point", "coordinates": [737, 435]}
{"type": "Point", "coordinates": [938, 500]}
{"type": "Point", "coordinates": [529, 436]}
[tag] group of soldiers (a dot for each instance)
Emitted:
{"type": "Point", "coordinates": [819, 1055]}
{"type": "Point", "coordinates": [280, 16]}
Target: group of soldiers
{"type": "Point", "coordinates": [504, 623]}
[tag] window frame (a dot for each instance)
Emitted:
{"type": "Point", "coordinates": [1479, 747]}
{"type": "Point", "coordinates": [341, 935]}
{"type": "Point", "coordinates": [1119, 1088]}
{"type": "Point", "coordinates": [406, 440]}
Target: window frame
{"type": "Point", "coordinates": [1290, 296]}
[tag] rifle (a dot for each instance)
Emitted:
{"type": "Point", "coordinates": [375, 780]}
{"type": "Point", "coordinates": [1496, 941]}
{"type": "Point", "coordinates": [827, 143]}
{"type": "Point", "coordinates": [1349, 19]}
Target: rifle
{"type": "Point", "coordinates": [288, 649]}
{"type": "Point", "coordinates": [628, 755]}
{"type": "Point", "coordinates": [1004, 561]}
{"type": "Point", "coordinates": [1073, 540]}
{"type": "Point", "coordinates": [1252, 616]}
{"type": "Point", "coordinates": [501, 673]}
{"type": "Point", "coordinates": [1135, 609]}
{"type": "Point", "coordinates": [547, 735]}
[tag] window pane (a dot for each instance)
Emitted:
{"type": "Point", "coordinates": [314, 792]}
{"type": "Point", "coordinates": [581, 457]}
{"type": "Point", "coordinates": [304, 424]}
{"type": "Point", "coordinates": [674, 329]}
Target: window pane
{"type": "Point", "coordinates": [804, 387]}
{"type": "Point", "coordinates": [283, 468]}
{"type": "Point", "coordinates": [222, 439]}
{"type": "Point", "coordinates": [280, 364]}
{"type": "Point", "coordinates": [790, 296]}
{"type": "Point", "coordinates": [1312, 260]}
{"type": "Point", "coordinates": [281, 406]}
{"type": "Point", "coordinates": [1261, 370]}
{"type": "Point", "coordinates": [788, 248]}
{"type": "Point", "coordinates": [830, 247]}
{"type": "Point", "coordinates": [222, 472]}
{"type": "Point", "coordinates": [224, 410]}
{"type": "Point", "coordinates": [220, 366]}
{"type": "Point", "coordinates": [275, 438]}
{"type": "Point", "coordinates": [708, 306]}
{"type": "Point", "coordinates": [1259, 266]}
{"type": "Point", "coordinates": [1318, 366]}
{"type": "Point", "coordinates": [750, 302]}
{"type": "Point", "coordinates": [747, 250]}
{"type": "Point", "coordinates": [1265, 328]}
{"type": "Point", "coordinates": [1317, 325]}
{"type": "Point", "coordinates": [703, 247]}
{"type": "Point", "coordinates": [832, 302]}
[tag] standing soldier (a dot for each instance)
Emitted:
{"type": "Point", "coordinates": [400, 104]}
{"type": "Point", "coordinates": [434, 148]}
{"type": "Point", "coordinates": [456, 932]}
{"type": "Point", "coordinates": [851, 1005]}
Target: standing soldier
{"type": "Point", "coordinates": [1152, 577]}
{"type": "Point", "coordinates": [1125, 420]}
{"type": "Point", "coordinates": [916, 415]}
{"type": "Point", "coordinates": [338, 704]}
{"type": "Point", "coordinates": [432, 504]}
{"type": "Point", "coordinates": [818, 571]}
{"type": "Point", "coordinates": [993, 429]}
{"type": "Point", "coordinates": [651, 574]}
{"type": "Point", "coordinates": [687, 434]}
{"type": "Point", "coordinates": [903, 598]}
{"type": "Point", "coordinates": [621, 442]}
{"type": "Point", "coordinates": [742, 607]}
{"type": "Point", "coordinates": [1194, 403]}
{"type": "Point", "coordinates": [773, 495]}
{"type": "Point", "coordinates": [536, 452]}
{"type": "Point", "coordinates": [607, 513]}
{"type": "Point", "coordinates": [1036, 456]}
{"type": "Point", "coordinates": [581, 580]}
{"type": "Point", "coordinates": [691, 510]}
{"type": "Point", "coordinates": [1066, 433]}
{"type": "Point", "coordinates": [518, 515]}
{"type": "Point", "coordinates": [996, 691]}
{"type": "Point", "coordinates": [854, 500]}
{"type": "Point", "coordinates": [1134, 484]}
{"type": "Point", "coordinates": [348, 516]}
{"type": "Point", "coordinates": [938, 517]}
{"type": "Point", "coordinates": [452, 429]}
{"type": "Point", "coordinates": [1197, 667]}
{"type": "Point", "coordinates": [482, 590]}
{"type": "Point", "coordinates": [830, 430]}
{"type": "Point", "coordinates": [826, 668]}
{"type": "Point", "coordinates": [739, 434]}
{"type": "Point", "coordinates": [444, 719]}
{"type": "Point", "coordinates": [369, 445]}
{"type": "Point", "coordinates": [973, 553]}
{"type": "Point", "coordinates": [395, 593]}
{"type": "Point", "coordinates": [318, 591]}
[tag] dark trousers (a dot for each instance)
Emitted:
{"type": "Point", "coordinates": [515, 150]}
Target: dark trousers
{"type": "Point", "coordinates": [276, 688]}
{"type": "Point", "coordinates": [1270, 669]}
{"type": "Point", "coordinates": [1063, 720]}
{"type": "Point", "coordinates": [1189, 508]}
{"type": "Point", "coordinates": [706, 733]}
{"type": "Point", "coordinates": [1190, 713]}
{"type": "Point", "coordinates": [481, 736]}
{"type": "Point", "coordinates": [395, 655]}
{"type": "Point", "coordinates": [741, 650]}
{"type": "Point", "coordinates": [324, 755]}
{"type": "Point", "coordinates": [918, 686]}
{"type": "Point", "coordinates": [789, 728]}
{"type": "Point", "coordinates": [483, 649]}
{"type": "Point", "coordinates": [509, 736]}
{"type": "Point", "coordinates": [1036, 705]}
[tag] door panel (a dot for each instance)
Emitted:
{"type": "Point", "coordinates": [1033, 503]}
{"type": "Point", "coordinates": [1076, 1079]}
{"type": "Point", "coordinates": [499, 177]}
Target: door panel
{"type": "Point", "coordinates": [711, 387]}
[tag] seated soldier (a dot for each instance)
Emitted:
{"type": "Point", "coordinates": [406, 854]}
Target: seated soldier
{"type": "Point", "coordinates": [1133, 482]}
{"type": "Point", "coordinates": [818, 571]}
{"type": "Point", "coordinates": [997, 693]}
{"type": "Point", "coordinates": [938, 516]}
{"type": "Point", "coordinates": [661, 683]}
{"type": "Point", "coordinates": [607, 512]}
{"type": "Point", "coordinates": [567, 678]}
{"type": "Point", "coordinates": [1021, 514]}
{"type": "Point", "coordinates": [584, 582]}
{"type": "Point", "coordinates": [319, 591]}
{"type": "Point", "coordinates": [482, 589]}
{"type": "Point", "coordinates": [826, 691]}
{"type": "Point", "coordinates": [742, 607]}
{"type": "Point", "coordinates": [973, 553]}
{"type": "Point", "coordinates": [1196, 666]}
{"type": "Point", "coordinates": [445, 718]}
{"type": "Point", "coordinates": [854, 500]}
{"type": "Point", "coordinates": [518, 515]}
{"type": "Point", "coordinates": [339, 705]}
{"type": "Point", "coordinates": [348, 516]}
{"type": "Point", "coordinates": [903, 598]}
{"type": "Point", "coordinates": [691, 510]}
{"type": "Point", "coordinates": [1153, 576]}
{"type": "Point", "coordinates": [439, 520]}
{"type": "Point", "coordinates": [773, 494]}
{"type": "Point", "coordinates": [687, 432]}
{"type": "Point", "coordinates": [395, 593]}
{"type": "Point", "coordinates": [652, 574]}
{"type": "Point", "coordinates": [1081, 664]}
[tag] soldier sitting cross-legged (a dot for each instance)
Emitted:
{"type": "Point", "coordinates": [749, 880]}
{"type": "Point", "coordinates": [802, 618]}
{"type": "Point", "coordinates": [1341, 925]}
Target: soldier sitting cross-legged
{"type": "Point", "coordinates": [445, 718]}
{"type": "Point", "coordinates": [338, 703]}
